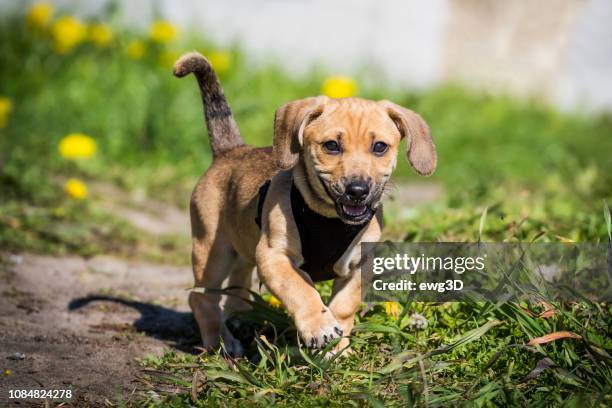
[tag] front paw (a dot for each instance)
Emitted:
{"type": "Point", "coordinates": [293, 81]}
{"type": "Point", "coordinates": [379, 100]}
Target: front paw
{"type": "Point", "coordinates": [318, 329]}
{"type": "Point", "coordinates": [232, 346]}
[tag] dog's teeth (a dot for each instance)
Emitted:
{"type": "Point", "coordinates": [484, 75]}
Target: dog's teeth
{"type": "Point", "coordinates": [354, 210]}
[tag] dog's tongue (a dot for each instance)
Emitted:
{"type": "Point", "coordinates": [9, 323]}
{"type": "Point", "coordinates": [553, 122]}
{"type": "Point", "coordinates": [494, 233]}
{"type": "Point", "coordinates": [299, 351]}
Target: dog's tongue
{"type": "Point", "coordinates": [354, 210]}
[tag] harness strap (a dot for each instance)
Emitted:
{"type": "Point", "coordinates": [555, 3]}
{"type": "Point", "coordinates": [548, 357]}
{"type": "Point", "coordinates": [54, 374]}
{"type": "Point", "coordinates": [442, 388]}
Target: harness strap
{"type": "Point", "coordinates": [263, 191]}
{"type": "Point", "coordinates": [323, 240]}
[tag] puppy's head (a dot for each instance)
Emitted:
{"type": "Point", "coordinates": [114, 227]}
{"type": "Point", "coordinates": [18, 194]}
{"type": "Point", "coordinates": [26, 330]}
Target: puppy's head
{"type": "Point", "coordinates": [348, 149]}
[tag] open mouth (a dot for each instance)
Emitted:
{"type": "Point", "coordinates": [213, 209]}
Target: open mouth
{"type": "Point", "coordinates": [354, 214]}
{"type": "Point", "coordinates": [349, 211]}
{"type": "Point", "coordinates": [354, 210]}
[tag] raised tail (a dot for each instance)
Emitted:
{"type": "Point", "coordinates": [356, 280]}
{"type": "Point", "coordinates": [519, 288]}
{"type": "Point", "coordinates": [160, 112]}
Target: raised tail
{"type": "Point", "coordinates": [223, 131]}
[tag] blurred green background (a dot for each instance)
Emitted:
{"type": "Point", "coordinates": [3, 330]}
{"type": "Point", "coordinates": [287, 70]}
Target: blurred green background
{"type": "Point", "coordinates": [541, 172]}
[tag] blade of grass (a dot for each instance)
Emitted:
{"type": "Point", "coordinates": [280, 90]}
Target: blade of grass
{"type": "Point", "coordinates": [483, 218]}
{"type": "Point", "coordinates": [554, 336]}
{"type": "Point", "coordinates": [472, 335]}
{"type": "Point", "coordinates": [608, 219]}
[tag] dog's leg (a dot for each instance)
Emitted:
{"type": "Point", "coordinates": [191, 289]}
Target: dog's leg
{"type": "Point", "coordinates": [277, 254]}
{"type": "Point", "coordinates": [315, 323]}
{"type": "Point", "coordinates": [211, 264]}
{"type": "Point", "coordinates": [241, 276]}
{"type": "Point", "coordinates": [346, 292]}
{"type": "Point", "coordinates": [344, 304]}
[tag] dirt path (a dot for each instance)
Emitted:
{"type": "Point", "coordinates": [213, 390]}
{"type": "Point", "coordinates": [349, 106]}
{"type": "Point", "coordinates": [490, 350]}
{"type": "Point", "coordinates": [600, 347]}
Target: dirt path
{"type": "Point", "coordinates": [69, 322]}
{"type": "Point", "coordinates": [81, 323]}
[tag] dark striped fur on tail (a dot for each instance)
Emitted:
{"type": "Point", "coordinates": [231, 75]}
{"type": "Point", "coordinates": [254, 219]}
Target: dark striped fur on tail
{"type": "Point", "coordinates": [223, 131]}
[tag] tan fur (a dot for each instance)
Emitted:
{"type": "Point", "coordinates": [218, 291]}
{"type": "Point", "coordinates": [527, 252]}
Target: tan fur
{"type": "Point", "coordinates": [228, 243]}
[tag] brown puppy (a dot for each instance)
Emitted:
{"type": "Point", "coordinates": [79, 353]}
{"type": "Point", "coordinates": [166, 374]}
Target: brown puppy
{"type": "Point", "coordinates": [328, 167]}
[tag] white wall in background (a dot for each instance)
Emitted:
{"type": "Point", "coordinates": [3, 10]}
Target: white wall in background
{"type": "Point", "coordinates": [414, 43]}
{"type": "Point", "coordinates": [586, 70]}
{"type": "Point", "coordinates": [340, 34]}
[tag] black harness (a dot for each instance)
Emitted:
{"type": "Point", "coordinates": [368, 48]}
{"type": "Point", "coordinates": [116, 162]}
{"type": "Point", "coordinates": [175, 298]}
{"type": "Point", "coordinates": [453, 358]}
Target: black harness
{"type": "Point", "coordinates": [323, 239]}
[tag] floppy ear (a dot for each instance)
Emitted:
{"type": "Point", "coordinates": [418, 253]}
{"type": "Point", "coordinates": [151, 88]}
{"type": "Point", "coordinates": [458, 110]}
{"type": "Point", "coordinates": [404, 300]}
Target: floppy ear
{"type": "Point", "coordinates": [290, 121]}
{"type": "Point", "coordinates": [420, 148]}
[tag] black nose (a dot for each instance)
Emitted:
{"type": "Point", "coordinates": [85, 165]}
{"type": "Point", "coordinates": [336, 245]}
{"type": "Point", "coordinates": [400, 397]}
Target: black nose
{"type": "Point", "coordinates": [357, 190]}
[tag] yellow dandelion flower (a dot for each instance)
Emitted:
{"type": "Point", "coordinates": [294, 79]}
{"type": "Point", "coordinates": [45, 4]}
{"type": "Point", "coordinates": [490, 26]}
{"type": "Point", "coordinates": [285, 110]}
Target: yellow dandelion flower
{"type": "Point", "coordinates": [100, 34]}
{"type": "Point", "coordinates": [135, 49]}
{"type": "Point", "coordinates": [6, 106]}
{"type": "Point", "coordinates": [76, 189]}
{"type": "Point", "coordinates": [220, 61]}
{"type": "Point", "coordinates": [163, 32]}
{"type": "Point", "coordinates": [339, 87]}
{"type": "Point", "coordinates": [167, 59]}
{"type": "Point", "coordinates": [77, 146]}
{"type": "Point", "coordinates": [392, 309]}
{"type": "Point", "coordinates": [68, 32]}
{"type": "Point", "coordinates": [274, 302]}
{"type": "Point", "coordinates": [8, 372]}
{"type": "Point", "coordinates": [39, 15]}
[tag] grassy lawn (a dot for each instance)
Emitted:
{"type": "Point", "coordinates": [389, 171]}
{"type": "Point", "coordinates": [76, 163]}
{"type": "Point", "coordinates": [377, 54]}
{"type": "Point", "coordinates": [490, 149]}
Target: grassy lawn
{"type": "Point", "coordinates": [540, 174]}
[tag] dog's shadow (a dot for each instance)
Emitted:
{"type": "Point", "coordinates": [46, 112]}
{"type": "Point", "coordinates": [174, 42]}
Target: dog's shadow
{"type": "Point", "coordinates": [175, 328]}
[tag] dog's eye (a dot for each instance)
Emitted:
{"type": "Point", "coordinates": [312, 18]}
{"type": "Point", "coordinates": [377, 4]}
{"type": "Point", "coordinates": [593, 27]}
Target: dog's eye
{"type": "Point", "coordinates": [331, 146]}
{"type": "Point", "coordinates": [380, 147]}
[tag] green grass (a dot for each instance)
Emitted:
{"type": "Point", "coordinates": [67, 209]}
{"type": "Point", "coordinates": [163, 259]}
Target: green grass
{"type": "Point", "coordinates": [469, 353]}
{"type": "Point", "coordinates": [536, 173]}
